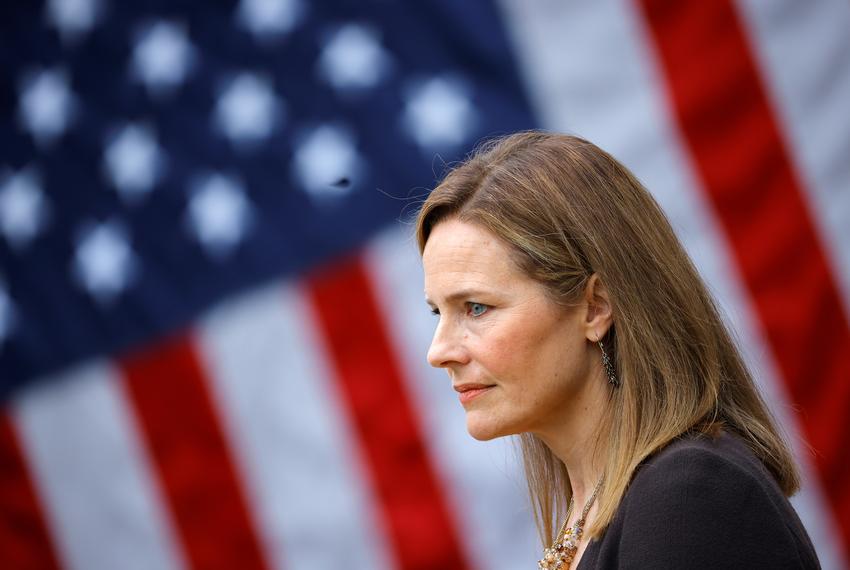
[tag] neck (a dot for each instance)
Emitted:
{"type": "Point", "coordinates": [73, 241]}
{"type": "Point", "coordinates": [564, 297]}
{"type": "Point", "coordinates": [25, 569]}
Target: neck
{"type": "Point", "coordinates": [574, 443]}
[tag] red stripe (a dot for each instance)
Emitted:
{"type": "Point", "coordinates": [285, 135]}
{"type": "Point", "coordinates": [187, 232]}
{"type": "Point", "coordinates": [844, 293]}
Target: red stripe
{"type": "Point", "coordinates": [422, 531]}
{"type": "Point", "coordinates": [171, 397]}
{"type": "Point", "coordinates": [24, 541]}
{"type": "Point", "coordinates": [727, 121]}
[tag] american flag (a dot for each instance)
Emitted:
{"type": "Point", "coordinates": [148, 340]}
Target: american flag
{"type": "Point", "coordinates": [212, 326]}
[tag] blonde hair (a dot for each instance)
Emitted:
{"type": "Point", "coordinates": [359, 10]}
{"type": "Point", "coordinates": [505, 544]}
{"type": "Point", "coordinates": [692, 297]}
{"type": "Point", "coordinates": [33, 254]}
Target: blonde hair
{"type": "Point", "coordinates": [569, 210]}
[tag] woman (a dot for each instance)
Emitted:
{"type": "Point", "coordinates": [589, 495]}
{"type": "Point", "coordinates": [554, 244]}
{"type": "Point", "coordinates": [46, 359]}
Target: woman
{"type": "Point", "coordinates": [570, 314]}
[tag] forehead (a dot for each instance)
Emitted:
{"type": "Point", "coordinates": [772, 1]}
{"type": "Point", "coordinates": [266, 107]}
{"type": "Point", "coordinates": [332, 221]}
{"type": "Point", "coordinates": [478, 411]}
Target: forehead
{"type": "Point", "coordinates": [461, 254]}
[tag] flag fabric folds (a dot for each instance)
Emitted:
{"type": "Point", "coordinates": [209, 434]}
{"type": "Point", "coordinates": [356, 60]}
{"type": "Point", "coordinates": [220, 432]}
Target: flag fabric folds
{"type": "Point", "coordinates": [212, 327]}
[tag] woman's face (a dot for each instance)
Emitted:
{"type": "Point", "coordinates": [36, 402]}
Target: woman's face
{"type": "Point", "coordinates": [519, 360]}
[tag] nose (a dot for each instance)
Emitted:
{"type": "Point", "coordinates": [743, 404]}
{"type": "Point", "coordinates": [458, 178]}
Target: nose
{"type": "Point", "coordinates": [446, 347]}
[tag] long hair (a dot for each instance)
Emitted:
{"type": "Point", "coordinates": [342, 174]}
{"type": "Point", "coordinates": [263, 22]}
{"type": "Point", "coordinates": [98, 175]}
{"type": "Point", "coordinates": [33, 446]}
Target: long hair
{"type": "Point", "coordinates": [567, 210]}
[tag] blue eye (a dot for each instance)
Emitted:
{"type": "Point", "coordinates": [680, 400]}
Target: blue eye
{"type": "Point", "coordinates": [477, 309]}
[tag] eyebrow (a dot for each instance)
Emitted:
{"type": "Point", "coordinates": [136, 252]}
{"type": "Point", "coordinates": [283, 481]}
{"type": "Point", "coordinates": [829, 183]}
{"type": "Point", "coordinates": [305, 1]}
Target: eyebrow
{"type": "Point", "coordinates": [462, 294]}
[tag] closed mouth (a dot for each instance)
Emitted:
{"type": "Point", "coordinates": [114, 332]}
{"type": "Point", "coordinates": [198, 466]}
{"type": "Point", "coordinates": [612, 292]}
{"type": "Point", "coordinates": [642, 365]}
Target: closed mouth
{"type": "Point", "coordinates": [468, 392]}
{"type": "Point", "coordinates": [468, 387]}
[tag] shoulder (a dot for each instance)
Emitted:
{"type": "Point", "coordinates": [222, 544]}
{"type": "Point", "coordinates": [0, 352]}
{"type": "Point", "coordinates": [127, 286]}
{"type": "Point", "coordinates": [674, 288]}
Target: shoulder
{"type": "Point", "coordinates": [697, 465]}
{"type": "Point", "coordinates": [708, 502]}
{"type": "Point", "coordinates": [700, 484]}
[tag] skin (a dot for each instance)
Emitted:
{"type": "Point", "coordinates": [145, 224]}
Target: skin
{"type": "Point", "coordinates": [539, 359]}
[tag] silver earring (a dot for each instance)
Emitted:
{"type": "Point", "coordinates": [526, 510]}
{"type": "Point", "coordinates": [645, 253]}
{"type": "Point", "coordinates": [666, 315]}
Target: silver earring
{"type": "Point", "coordinates": [607, 365]}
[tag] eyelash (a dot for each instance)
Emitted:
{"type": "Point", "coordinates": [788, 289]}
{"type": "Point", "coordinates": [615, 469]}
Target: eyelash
{"type": "Point", "coordinates": [436, 311]}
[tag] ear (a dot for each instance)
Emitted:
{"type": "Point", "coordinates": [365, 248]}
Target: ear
{"type": "Point", "coordinates": [599, 316]}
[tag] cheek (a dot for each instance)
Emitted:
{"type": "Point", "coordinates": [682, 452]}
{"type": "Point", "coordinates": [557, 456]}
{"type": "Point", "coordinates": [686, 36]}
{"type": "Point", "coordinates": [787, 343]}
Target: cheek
{"type": "Point", "coordinates": [533, 349]}
{"type": "Point", "coordinates": [506, 350]}
{"type": "Point", "coordinates": [535, 339]}
{"type": "Point", "coordinates": [553, 360]}
{"type": "Point", "coordinates": [519, 356]}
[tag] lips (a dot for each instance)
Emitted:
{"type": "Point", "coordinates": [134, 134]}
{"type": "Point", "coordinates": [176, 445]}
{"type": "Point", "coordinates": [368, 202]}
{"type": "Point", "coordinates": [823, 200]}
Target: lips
{"type": "Point", "coordinates": [470, 391]}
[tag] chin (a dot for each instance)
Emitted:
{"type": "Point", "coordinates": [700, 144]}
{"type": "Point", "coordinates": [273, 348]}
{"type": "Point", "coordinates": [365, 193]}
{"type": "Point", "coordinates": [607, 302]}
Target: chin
{"type": "Point", "coordinates": [483, 428]}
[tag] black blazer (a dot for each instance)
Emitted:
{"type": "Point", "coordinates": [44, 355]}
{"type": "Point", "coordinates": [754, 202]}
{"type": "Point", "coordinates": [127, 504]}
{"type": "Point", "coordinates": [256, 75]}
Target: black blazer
{"type": "Point", "coordinates": [703, 502]}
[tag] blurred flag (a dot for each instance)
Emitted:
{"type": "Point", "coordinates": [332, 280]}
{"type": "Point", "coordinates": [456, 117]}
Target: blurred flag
{"type": "Point", "coordinates": [212, 331]}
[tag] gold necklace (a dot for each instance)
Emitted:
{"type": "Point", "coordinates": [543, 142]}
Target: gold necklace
{"type": "Point", "coordinates": [560, 555]}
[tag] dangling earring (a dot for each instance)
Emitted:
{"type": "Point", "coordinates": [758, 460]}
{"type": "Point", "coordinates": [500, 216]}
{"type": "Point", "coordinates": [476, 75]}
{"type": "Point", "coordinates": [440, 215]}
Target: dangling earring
{"type": "Point", "coordinates": [607, 364]}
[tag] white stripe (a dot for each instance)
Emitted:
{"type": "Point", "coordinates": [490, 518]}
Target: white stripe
{"type": "Point", "coordinates": [803, 51]}
{"type": "Point", "coordinates": [596, 75]}
{"type": "Point", "coordinates": [103, 506]}
{"type": "Point", "coordinates": [483, 481]}
{"type": "Point", "coordinates": [289, 434]}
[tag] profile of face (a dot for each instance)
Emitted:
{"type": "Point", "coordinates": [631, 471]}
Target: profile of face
{"type": "Point", "coordinates": [520, 361]}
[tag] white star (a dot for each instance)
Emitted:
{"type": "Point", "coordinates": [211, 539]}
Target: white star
{"type": "Point", "coordinates": [326, 162]}
{"type": "Point", "coordinates": [133, 161]}
{"type": "Point", "coordinates": [104, 263]}
{"type": "Point", "coordinates": [7, 314]}
{"type": "Point", "coordinates": [438, 114]}
{"type": "Point", "coordinates": [73, 18]}
{"type": "Point", "coordinates": [247, 110]}
{"type": "Point", "coordinates": [218, 214]}
{"type": "Point", "coordinates": [46, 104]}
{"type": "Point", "coordinates": [162, 56]}
{"type": "Point", "coordinates": [269, 18]}
{"type": "Point", "coordinates": [353, 58]}
{"type": "Point", "coordinates": [23, 208]}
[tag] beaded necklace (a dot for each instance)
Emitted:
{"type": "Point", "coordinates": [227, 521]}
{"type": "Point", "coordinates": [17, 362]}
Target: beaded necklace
{"type": "Point", "coordinates": [560, 555]}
